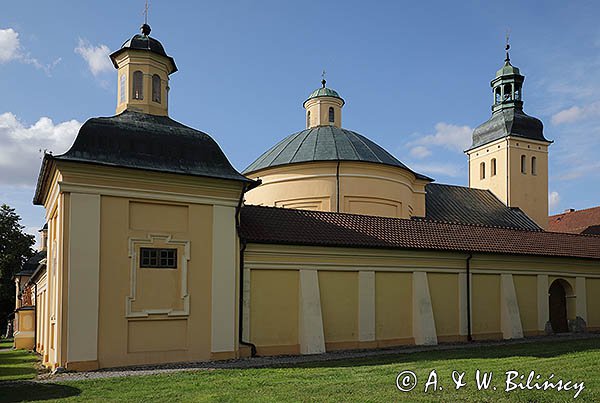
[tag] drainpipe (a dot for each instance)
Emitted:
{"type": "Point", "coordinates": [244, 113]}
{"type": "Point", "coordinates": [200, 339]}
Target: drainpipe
{"type": "Point", "coordinates": [469, 336]}
{"type": "Point", "coordinates": [246, 188]}
{"type": "Point", "coordinates": [337, 183]}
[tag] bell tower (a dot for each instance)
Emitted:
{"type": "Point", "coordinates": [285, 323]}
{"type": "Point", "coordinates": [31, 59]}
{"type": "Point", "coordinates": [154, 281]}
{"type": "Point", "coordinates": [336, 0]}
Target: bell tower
{"type": "Point", "coordinates": [143, 69]}
{"type": "Point", "coordinates": [509, 154]}
{"type": "Point", "coordinates": [323, 107]}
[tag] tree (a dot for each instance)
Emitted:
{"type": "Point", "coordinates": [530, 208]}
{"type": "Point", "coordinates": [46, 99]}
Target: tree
{"type": "Point", "coordinates": [15, 249]}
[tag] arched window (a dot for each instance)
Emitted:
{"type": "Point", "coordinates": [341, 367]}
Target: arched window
{"type": "Point", "coordinates": [123, 89]}
{"type": "Point", "coordinates": [138, 85]}
{"type": "Point", "coordinates": [493, 167]}
{"type": "Point", "coordinates": [331, 115]}
{"type": "Point", "coordinates": [482, 170]}
{"type": "Point", "coordinates": [523, 164]}
{"type": "Point", "coordinates": [308, 119]}
{"type": "Point", "coordinates": [156, 88]}
{"type": "Point", "coordinates": [533, 165]}
{"type": "Point", "coordinates": [507, 92]}
{"type": "Point", "coordinates": [498, 97]}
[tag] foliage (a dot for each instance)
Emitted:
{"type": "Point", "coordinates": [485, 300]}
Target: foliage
{"type": "Point", "coordinates": [370, 379]}
{"type": "Point", "coordinates": [15, 249]}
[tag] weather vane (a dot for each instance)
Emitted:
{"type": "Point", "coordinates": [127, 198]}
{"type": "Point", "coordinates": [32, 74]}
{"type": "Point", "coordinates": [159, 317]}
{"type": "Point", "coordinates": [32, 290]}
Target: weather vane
{"type": "Point", "coordinates": [146, 7]}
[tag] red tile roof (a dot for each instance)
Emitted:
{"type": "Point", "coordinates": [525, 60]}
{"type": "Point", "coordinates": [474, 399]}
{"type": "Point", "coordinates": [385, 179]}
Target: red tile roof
{"type": "Point", "coordinates": [576, 222]}
{"type": "Point", "coordinates": [273, 225]}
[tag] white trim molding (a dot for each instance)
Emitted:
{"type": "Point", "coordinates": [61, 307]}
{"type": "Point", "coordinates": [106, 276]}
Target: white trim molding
{"type": "Point", "coordinates": [153, 239]}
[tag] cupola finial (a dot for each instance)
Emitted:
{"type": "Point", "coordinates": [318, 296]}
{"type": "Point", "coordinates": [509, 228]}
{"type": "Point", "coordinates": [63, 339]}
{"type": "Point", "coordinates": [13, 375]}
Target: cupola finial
{"type": "Point", "coordinates": [323, 81]}
{"type": "Point", "coordinates": [145, 27]}
{"type": "Point", "coordinates": [507, 45]}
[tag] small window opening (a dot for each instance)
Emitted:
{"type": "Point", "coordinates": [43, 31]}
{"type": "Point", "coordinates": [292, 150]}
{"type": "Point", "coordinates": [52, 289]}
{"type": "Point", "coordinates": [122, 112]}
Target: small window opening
{"type": "Point", "coordinates": [523, 164]}
{"type": "Point", "coordinates": [498, 97]}
{"type": "Point", "coordinates": [533, 165]}
{"type": "Point", "coordinates": [156, 88]}
{"type": "Point", "coordinates": [331, 115]}
{"type": "Point", "coordinates": [138, 85]}
{"type": "Point", "coordinates": [493, 167]}
{"type": "Point", "coordinates": [517, 93]}
{"type": "Point", "coordinates": [308, 119]}
{"type": "Point", "coordinates": [482, 170]}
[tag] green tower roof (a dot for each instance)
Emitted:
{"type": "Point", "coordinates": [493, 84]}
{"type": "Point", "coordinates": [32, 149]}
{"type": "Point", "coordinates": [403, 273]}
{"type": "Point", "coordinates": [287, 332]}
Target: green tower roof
{"type": "Point", "coordinates": [507, 70]}
{"type": "Point", "coordinates": [324, 92]}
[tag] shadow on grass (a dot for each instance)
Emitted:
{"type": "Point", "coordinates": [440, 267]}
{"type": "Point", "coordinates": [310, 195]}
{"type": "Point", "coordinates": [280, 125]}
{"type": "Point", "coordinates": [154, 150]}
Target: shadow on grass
{"type": "Point", "coordinates": [19, 391]}
{"type": "Point", "coordinates": [542, 349]}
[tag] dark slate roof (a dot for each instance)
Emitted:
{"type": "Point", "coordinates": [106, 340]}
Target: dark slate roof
{"type": "Point", "coordinates": [272, 225]}
{"type": "Point", "coordinates": [143, 141]}
{"type": "Point", "coordinates": [465, 205]}
{"type": "Point", "coordinates": [30, 266]}
{"type": "Point", "coordinates": [143, 42]}
{"type": "Point", "coordinates": [505, 122]}
{"type": "Point", "coordinates": [326, 143]}
{"type": "Point", "coordinates": [586, 221]}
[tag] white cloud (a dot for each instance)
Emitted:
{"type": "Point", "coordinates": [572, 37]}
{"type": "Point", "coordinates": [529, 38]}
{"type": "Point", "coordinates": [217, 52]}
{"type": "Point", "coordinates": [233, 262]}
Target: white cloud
{"type": "Point", "coordinates": [553, 200]}
{"type": "Point", "coordinates": [20, 152]}
{"type": "Point", "coordinates": [576, 113]}
{"type": "Point", "coordinates": [420, 152]}
{"type": "Point", "coordinates": [95, 56]}
{"type": "Point", "coordinates": [9, 45]}
{"type": "Point", "coordinates": [447, 135]}
{"type": "Point", "coordinates": [11, 50]}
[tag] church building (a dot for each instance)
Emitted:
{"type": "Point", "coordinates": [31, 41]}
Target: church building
{"type": "Point", "coordinates": [159, 251]}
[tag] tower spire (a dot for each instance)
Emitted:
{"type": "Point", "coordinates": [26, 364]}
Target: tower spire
{"type": "Point", "coordinates": [323, 81]}
{"type": "Point", "coordinates": [145, 27]}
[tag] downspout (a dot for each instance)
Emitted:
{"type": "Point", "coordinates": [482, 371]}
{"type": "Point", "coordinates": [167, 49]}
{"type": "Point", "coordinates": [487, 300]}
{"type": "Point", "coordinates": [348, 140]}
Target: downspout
{"type": "Point", "coordinates": [35, 306]}
{"type": "Point", "coordinates": [337, 184]}
{"type": "Point", "coordinates": [469, 336]}
{"type": "Point", "coordinates": [246, 188]}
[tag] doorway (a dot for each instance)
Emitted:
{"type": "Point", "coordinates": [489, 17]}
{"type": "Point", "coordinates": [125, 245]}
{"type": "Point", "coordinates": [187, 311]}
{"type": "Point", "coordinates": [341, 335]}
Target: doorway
{"type": "Point", "coordinates": [558, 307]}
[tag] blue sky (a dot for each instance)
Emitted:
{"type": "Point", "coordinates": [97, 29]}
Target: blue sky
{"type": "Point", "coordinates": [415, 77]}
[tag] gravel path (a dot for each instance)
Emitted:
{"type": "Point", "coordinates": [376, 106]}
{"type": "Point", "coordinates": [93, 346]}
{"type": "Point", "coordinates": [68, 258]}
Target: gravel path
{"type": "Point", "coordinates": [263, 362]}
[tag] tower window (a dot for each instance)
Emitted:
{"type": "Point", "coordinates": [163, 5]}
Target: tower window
{"type": "Point", "coordinates": [123, 89]}
{"type": "Point", "coordinates": [533, 165]}
{"type": "Point", "coordinates": [308, 119]}
{"type": "Point", "coordinates": [497, 96]}
{"type": "Point", "coordinates": [156, 88]}
{"type": "Point", "coordinates": [331, 115]}
{"type": "Point", "coordinates": [482, 170]}
{"type": "Point", "coordinates": [508, 92]}
{"type": "Point", "coordinates": [523, 164]}
{"type": "Point", "coordinates": [138, 85]}
{"type": "Point", "coordinates": [493, 167]}
{"type": "Point", "coordinates": [517, 93]}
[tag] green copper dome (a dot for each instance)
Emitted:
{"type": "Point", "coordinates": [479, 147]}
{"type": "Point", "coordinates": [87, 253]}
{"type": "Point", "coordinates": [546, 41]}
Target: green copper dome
{"type": "Point", "coordinates": [324, 92]}
{"type": "Point", "coordinates": [326, 143]}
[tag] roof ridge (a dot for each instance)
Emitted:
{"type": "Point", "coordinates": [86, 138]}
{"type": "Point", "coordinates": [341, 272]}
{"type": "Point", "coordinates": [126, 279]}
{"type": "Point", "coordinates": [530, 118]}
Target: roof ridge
{"type": "Point", "coordinates": [576, 211]}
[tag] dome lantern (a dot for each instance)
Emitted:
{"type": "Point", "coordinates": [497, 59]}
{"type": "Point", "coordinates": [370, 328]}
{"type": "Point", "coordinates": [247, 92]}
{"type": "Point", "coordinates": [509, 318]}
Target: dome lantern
{"type": "Point", "coordinates": [323, 107]}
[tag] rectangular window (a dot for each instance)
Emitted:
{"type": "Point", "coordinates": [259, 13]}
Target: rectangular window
{"type": "Point", "coordinates": [158, 258]}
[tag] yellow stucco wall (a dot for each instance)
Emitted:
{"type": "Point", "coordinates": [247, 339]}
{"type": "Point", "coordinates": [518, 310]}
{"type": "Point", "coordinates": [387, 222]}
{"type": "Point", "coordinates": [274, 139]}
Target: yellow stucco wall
{"type": "Point", "coordinates": [364, 188]}
{"type": "Point", "coordinates": [443, 289]}
{"type": "Point", "coordinates": [525, 288]}
{"type": "Point", "coordinates": [393, 306]}
{"type": "Point", "coordinates": [485, 306]}
{"type": "Point", "coordinates": [274, 325]}
{"type": "Point", "coordinates": [593, 303]}
{"type": "Point", "coordinates": [339, 304]}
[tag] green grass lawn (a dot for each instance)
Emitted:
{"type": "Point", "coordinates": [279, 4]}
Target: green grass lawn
{"type": "Point", "coordinates": [16, 364]}
{"type": "Point", "coordinates": [6, 343]}
{"type": "Point", "coordinates": [367, 379]}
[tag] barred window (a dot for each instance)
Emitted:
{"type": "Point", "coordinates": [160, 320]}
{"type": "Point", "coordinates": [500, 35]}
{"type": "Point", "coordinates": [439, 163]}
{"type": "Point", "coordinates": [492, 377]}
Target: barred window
{"type": "Point", "coordinates": [158, 258]}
